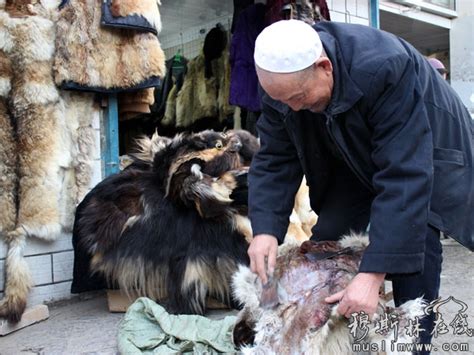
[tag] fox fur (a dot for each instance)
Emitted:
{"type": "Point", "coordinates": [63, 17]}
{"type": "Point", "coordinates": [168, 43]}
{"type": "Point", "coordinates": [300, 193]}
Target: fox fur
{"type": "Point", "coordinates": [83, 45]}
{"type": "Point", "coordinates": [53, 141]}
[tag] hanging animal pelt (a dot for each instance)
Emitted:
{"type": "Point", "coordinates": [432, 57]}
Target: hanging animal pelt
{"type": "Point", "coordinates": [90, 56]}
{"type": "Point", "coordinates": [52, 144]}
{"type": "Point", "coordinates": [172, 228]}
{"type": "Point", "coordinates": [289, 314]}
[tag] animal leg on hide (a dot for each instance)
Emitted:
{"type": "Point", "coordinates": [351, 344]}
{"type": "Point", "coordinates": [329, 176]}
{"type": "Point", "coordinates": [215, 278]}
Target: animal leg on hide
{"type": "Point", "coordinates": [18, 280]}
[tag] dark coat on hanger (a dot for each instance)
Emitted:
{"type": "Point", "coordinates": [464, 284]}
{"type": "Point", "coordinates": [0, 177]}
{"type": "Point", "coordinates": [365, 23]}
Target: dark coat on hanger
{"type": "Point", "coordinates": [243, 78]}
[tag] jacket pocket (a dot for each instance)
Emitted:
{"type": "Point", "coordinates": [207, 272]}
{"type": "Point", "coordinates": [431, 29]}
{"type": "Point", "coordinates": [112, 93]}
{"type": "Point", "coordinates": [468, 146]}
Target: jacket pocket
{"type": "Point", "coordinates": [451, 184]}
{"type": "Point", "coordinates": [448, 156]}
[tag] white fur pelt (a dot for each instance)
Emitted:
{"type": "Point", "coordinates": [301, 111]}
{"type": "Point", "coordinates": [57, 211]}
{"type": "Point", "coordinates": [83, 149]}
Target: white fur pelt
{"type": "Point", "coordinates": [272, 326]}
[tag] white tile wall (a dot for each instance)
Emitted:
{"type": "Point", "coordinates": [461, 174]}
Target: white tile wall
{"type": "Point", "coordinates": [62, 266]}
{"type": "Point", "coordinates": [363, 8]}
{"type": "Point", "coordinates": [40, 267]}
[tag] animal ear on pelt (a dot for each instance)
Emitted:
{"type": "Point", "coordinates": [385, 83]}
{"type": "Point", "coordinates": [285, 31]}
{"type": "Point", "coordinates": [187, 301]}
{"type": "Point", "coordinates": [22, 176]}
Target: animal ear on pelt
{"type": "Point", "coordinates": [211, 196]}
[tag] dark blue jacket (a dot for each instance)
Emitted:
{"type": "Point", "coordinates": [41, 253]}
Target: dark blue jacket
{"type": "Point", "coordinates": [402, 130]}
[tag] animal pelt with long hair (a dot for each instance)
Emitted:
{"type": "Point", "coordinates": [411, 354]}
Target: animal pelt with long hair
{"type": "Point", "coordinates": [52, 139]}
{"type": "Point", "coordinates": [173, 228]}
{"type": "Point", "coordinates": [291, 316]}
{"type": "Point", "coordinates": [94, 57]}
{"type": "Point", "coordinates": [8, 153]}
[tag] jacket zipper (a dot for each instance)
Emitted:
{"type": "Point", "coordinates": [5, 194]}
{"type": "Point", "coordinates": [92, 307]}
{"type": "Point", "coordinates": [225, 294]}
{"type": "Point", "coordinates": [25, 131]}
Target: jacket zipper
{"type": "Point", "coordinates": [347, 158]}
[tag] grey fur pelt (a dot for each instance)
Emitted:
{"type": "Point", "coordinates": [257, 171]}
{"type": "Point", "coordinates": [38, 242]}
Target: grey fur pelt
{"type": "Point", "coordinates": [94, 56]}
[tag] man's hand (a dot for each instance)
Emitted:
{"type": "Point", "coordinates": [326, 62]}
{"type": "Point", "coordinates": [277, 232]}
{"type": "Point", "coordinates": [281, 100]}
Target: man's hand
{"type": "Point", "coordinates": [362, 294]}
{"type": "Point", "coordinates": [263, 253]}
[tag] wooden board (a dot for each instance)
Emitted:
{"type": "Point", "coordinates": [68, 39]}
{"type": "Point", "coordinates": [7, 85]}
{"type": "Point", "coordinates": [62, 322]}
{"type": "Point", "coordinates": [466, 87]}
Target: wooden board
{"type": "Point", "coordinates": [119, 302]}
{"type": "Point", "coordinates": [30, 316]}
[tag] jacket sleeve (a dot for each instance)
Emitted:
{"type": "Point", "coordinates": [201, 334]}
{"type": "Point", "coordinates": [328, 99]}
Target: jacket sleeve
{"type": "Point", "coordinates": [402, 151]}
{"type": "Point", "coordinates": [274, 177]}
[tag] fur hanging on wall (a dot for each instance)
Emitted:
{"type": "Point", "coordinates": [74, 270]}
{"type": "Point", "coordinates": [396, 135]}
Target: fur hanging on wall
{"type": "Point", "coordinates": [291, 317]}
{"type": "Point", "coordinates": [92, 57]}
{"type": "Point", "coordinates": [8, 153]}
{"type": "Point", "coordinates": [123, 9]}
{"type": "Point", "coordinates": [53, 140]}
{"type": "Point", "coordinates": [202, 97]}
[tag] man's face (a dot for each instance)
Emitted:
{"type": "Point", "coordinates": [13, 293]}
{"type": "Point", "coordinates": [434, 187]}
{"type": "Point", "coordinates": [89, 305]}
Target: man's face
{"type": "Point", "coordinates": [309, 89]}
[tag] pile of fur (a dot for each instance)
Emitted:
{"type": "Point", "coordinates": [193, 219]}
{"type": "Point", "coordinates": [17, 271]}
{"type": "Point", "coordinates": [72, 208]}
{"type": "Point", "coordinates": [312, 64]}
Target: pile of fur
{"type": "Point", "coordinates": [173, 225]}
{"type": "Point", "coordinates": [298, 320]}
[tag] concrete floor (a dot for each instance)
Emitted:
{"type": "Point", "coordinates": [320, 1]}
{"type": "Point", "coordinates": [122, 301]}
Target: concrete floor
{"type": "Point", "coordinates": [84, 325]}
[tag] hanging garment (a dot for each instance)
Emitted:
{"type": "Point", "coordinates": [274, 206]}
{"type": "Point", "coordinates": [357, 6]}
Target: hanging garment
{"type": "Point", "coordinates": [176, 69]}
{"type": "Point", "coordinates": [309, 11]}
{"type": "Point", "coordinates": [243, 79]}
{"type": "Point", "coordinates": [202, 97]}
{"type": "Point", "coordinates": [131, 104]}
{"type": "Point", "coordinates": [91, 57]}
{"type": "Point", "coordinates": [141, 15]}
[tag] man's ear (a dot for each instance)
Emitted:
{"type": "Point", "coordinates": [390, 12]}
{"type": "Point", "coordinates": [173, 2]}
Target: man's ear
{"type": "Point", "coordinates": [325, 63]}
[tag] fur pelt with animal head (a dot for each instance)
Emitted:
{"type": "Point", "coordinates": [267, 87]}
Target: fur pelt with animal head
{"type": "Point", "coordinates": [292, 317]}
{"type": "Point", "coordinates": [170, 226]}
{"type": "Point", "coordinates": [94, 56]}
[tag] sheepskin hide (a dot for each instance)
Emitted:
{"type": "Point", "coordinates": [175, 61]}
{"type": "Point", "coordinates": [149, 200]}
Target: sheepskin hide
{"type": "Point", "coordinates": [297, 320]}
{"type": "Point", "coordinates": [102, 58]}
{"type": "Point", "coordinates": [202, 97]}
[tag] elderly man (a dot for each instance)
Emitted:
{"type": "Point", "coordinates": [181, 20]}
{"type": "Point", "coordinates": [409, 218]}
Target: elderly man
{"type": "Point", "coordinates": [381, 138]}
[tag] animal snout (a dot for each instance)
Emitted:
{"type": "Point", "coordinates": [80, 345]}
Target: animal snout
{"type": "Point", "coordinates": [235, 144]}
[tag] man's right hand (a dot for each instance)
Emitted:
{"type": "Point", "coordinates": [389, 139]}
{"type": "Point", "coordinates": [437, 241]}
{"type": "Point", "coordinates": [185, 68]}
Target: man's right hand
{"type": "Point", "coordinates": [263, 248]}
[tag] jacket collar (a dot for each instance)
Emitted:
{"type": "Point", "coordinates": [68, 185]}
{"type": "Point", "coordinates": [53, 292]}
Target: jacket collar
{"type": "Point", "coordinates": [345, 92]}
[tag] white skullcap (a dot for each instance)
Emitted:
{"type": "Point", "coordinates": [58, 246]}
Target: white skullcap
{"type": "Point", "coordinates": [287, 46]}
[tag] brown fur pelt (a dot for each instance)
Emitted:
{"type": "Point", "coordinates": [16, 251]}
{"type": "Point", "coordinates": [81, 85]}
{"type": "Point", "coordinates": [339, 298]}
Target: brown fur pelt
{"type": "Point", "coordinates": [54, 143]}
{"type": "Point", "coordinates": [35, 106]}
{"type": "Point", "coordinates": [94, 56]}
{"type": "Point", "coordinates": [293, 317]}
{"type": "Point", "coordinates": [146, 8]}
{"type": "Point", "coordinates": [172, 227]}
{"type": "Point", "coordinates": [8, 151]}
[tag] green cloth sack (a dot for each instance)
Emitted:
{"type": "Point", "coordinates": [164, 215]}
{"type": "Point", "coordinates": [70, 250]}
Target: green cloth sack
{"type": "Point", "coordinates": [148, 329]}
